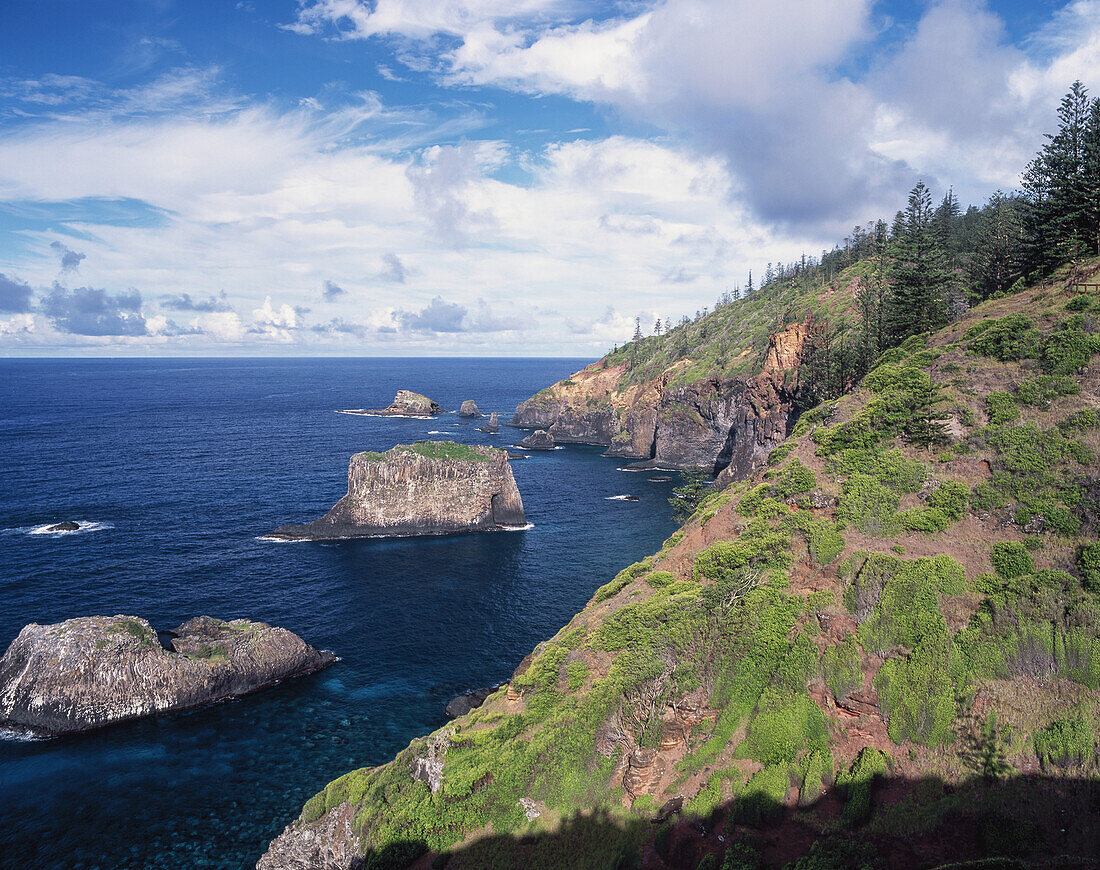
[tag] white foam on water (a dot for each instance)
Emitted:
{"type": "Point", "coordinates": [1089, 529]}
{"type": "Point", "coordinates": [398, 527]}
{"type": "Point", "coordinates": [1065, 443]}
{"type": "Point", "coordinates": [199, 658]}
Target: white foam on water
{"type": "Point", "coordinates": [436, 432]}
{"type": "Point", "coordinates": [522, 528]}
{"type": "Point", "coordinates": [19, 736]}
{"type": "Point", "coordinates": [271, 539]}
{"type": "Point", "coordinates": [633, 470]}
{"type": "Point", "coordinates": [86, 526]}
{"type": "Point", "coordinates": [621, 498]}
{"type": "Point", "coordinates": [360, 413]}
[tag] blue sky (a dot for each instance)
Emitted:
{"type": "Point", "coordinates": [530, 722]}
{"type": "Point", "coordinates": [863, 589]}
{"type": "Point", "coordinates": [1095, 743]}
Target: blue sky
{"type": "Point", "coordinates": [478, 176]}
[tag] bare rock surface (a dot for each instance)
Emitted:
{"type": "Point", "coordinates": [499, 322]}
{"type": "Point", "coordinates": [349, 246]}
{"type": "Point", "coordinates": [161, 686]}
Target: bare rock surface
{"type": "Point", "coordinates": [427, 488]}
{"type": "Point", "coordinates": [540, 439]}
{"type": "Point", "coordinates": [67, 526]}
{"type": "Point", "coordinates": [493, 426]}
{"type": "Point", "coordinates": [329, 844]}
{"type": "Point", "coordinates": [405, 404]}
{"type": "Point", "coordinates": [94, 671]}
{"type": "Point", "coordinates": [462, 704]}
{"type": "Point", "coordinates": [469, 409]}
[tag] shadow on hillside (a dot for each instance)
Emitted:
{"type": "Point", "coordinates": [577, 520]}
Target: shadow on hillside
{"type": "Point", "coordinates": [1020, 822]}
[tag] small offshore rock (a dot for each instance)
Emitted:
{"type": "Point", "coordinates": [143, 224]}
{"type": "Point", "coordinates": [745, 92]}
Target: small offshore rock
{"type": "Point", "coordinates": [462, 704]}
{"type": "Point", "coordinates": [93, 671]}
{"type": "Point", "coordinates": [67, 526]}
{"type": "Point", "coordinates": [493, 426]}
{"type": "Point", "coordinates": [427, 488]}
{"type": "Point", "coordinates": [469, 409]}
{"type": "Point", "coordinates": [540, 439]}
{"type": "Point", "coordinates": [407, 404]}
{"type": "Point", "coordinates": [660, 479]}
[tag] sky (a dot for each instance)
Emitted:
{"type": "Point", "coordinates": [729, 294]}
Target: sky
{"type": "Point", "coordinates": [478, 177]}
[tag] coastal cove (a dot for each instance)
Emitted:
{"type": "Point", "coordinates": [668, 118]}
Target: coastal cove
{"type": "Point", "coordinates": [175, 469]}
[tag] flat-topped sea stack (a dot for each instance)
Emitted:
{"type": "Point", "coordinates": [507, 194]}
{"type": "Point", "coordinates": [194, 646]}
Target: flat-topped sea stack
{"type": "Point", "coordinates": [426, 488]}
{"type": "Point", "coordinates": [469, 409]}
{"type": "Point", "coordinates": [93, 671]}
{"type": "Point", "coordinates": [406, 404]}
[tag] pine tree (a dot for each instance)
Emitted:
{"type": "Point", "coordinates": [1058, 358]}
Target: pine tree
{"type": "Point", "coordinates": [919, 274]}
{"type": "Point", "coordinates": [748, 289]}
{"type": "Point", "coordinates": [998, 247]}
{"type": "Point", "coordinates": [1091, 186]}
{"type": "Point", "coordinates": [637, 329]}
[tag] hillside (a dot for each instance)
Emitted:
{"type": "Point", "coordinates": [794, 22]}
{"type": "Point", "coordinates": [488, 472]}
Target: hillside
{"type": "Point", "coordinates": [882, 649]}
{"type": "Point", "coordinates": [715, 392]}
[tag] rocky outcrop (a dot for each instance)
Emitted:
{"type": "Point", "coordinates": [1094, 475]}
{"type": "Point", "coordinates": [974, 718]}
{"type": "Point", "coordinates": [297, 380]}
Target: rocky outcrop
{"type": "Point", "coordinates": [469, 409]}
{"type": "Point", "coordinates": [540, 439]}
{"type": "Point", "coordinates": [94, 671]}
{"type": "Point", "coordinates": [714, 423]}
{"type": "Point", "coordinates": [330, 843]}
{"type": "Point", "coordinates": [67, 526]}
{"type": "Point", "coordinates": [427, 488]}
{"type": "Point", "coordinates": [493, 426]}
{"type": "Point", "coordinates": [405, 404]}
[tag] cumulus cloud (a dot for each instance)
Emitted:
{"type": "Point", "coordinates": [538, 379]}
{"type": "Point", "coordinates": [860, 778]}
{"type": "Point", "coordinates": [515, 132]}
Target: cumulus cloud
{"type": "Point", "coordinates": [70, 259]}
{"type": "Point", "coordinates": [15, 295]}
{"type": "Point", "coordinates": [331, 291]}
{"type": "Point", "coordinates": [440, 316]}
{"type": "Point", "coordinates": [92, 311]}
{"type": "Point", "coordinates": [225, 326]}
{"type": "Point", "coordinates": [339, 326]}
{"type": "Point", "coordinates": [20, 325]}
{"type": "Point", "coordinates": [446, 189]}
{"type": "Point", "coordinates": [394, 270]}
{"type": "Point", "coordinates": [184, 302]}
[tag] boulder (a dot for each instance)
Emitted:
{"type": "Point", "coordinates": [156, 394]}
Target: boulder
{"type": "Point", "coordinates": [93, 671]}
{"type": "Point", "coordinates": [426, 488]}
{"type": "Point", "coordinates": [493, 426]}
{"type": "Point", "coordinates": [469, 409]}
{"type": "Point", "coordinates": [540, 439]}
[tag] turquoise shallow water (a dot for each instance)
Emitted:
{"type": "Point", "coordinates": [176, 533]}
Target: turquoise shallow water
{"type": "Point", "coordinates": [178, 467]}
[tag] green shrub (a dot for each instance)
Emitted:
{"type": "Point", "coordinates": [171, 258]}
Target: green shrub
{"type": "Point", "coordinates": [784, 726]}
{"type": "Point", "coordinates": [916, 692]}
{"type": "Point", "coordinates": [867, 505]}
{"type": "Point", "coordinates": [780, 453]}
{"type": "Point", "coordinates": [897, 377]}
{"type": "Point", "coordinates": [1011, 559]}
{"type": "Point", "coordinates": [890, 467]}
{"type": "Point", "coordinates": [623, 579]}
{"type": "Point", "coordinates": [762, 799]}
{"type": "Point", "coordinates": [1088, 563]}
{"type": "Point", "coordinates": [795, 478]}
{"type": "Point", "coordinates": [987, 497]}
{"type": "Point", "coordinates": [1066, 350]}
{"type": "Point", "coordinates": [858, 781]}
{"type": "Point", "coordinates": [314, 808]}
{"type": "Point", "coordinates": [1043, 389]}
{"type": "Point", "coordinates": [1080, 421]}
{"type": "Point", "coordinates": [840, 667]}
{"type": "Point", "coordinates": [1001, 407]}
{"type": "Point", "coordinates": [1065, 743]}
{"type": "Point", "coordinates": [1013, 336]}
{"type": "Point", "coordinates": [816, 769]}
{"type": "Point", "coordinates": [660, 579]}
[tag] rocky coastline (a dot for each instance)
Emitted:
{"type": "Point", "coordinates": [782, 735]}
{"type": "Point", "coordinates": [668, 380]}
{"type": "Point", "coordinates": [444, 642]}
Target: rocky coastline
{"type": "Point", "coordinates": [713, 424]}
{"type": "Point", "coordinates": [426, 488]}
{"type": "Point", "coordinates": [94, 671]}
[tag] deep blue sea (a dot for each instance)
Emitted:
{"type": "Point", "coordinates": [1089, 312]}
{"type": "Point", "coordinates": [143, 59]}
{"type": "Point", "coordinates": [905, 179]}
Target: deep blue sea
{"type": "Point", "coordinates": [178, 467]}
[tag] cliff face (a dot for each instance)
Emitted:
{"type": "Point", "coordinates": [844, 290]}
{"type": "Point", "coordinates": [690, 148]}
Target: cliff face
{"type": "Point", "coordinates": [94, 671]}
{"type": "Point", "coordinates": [712, 423]}
{"type": "Point", "coordinates": [430, 488]}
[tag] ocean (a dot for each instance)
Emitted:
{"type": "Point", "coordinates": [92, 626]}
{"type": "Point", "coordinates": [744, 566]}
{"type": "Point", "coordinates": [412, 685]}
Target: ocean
{"type": "Point", "coordinates": [175, 470]}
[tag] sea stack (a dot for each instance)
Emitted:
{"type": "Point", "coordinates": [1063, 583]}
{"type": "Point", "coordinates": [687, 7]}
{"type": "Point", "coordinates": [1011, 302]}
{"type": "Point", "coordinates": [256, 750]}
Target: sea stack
{"type": "Point", "coordinates": [406, 404]}
{"type": "Point", "coordinates": [469, 409]}
{"type": "Point", "coordinates": [540, 439]}
{"type": "Point", "coordinates": [426, 488]}
{"type": "Point", "coordinates": [493, 426]}
{"type": "Point", "coordinates": [94, 671]}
